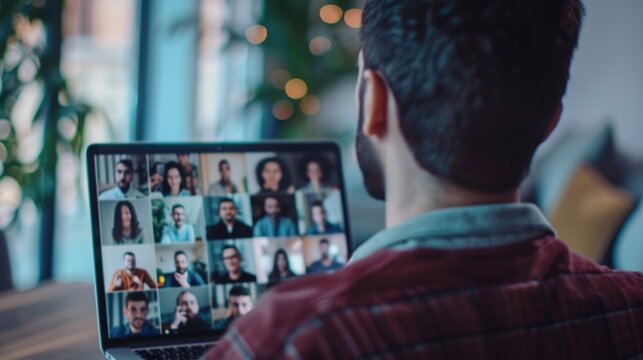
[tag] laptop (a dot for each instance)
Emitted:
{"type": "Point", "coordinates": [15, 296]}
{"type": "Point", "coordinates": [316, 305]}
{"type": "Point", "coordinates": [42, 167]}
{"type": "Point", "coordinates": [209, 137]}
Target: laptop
{"type": "Point", "coordinates": [188, 237]}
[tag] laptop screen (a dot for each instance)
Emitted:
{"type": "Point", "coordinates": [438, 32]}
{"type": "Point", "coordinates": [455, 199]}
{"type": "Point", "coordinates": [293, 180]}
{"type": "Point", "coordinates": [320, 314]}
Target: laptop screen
{"type": "Point", "coordinates": [189, 238]}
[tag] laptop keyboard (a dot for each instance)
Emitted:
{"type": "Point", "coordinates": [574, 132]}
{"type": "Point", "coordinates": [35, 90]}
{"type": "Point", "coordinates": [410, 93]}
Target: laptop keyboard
{"type": "Point", "coordinates": [171, 353]}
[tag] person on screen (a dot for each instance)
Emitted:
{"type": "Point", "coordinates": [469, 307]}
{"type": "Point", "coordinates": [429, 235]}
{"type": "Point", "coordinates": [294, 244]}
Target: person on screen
{"type": "Point", "coordinates": [127, 229]}
{"type": "Point", "coordinates": [228, 227]}
{"type": "Point", "coordinates": [180, 231]}
{"type": "Point", "coordinates": [135, 311]}
{"type": "Point", "coordinates": [239, 303]}
{"type": "Point", "coordinates": [182, 277]}
{"type": "Point", "coordinates": [224, 185]}
{"type": "Point", "coordinates": [315, 169]}
{"type": "Point", "coordinates": [123, 174]}
{"type": "Point", "coordinates": [191, 174]}
{"type": "Point", "coordinates": [280, 268]}
{"type": "Point", "coordinates": [327, 263]}
{"type": "Point", "coordinates": [272, 176]}
{"type": "Point", "coordinates": [130, 278]}
{"type": "Point", "coordinates": [320, 224]}
{"type": "Point", "coordinates": [187, 319]}
{"type": "Point", "coordinates": [234, 273]}
{"type": "Point", "coordinates": [156, 178]}
{"type": "Point", "coordinates": [273, 224]}
{"type": "Point", "coordinates": [173, 180]}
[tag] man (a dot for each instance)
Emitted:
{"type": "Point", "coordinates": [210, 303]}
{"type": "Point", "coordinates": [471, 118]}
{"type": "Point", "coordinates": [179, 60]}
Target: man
{"type": "Point", "coordinates": [321, 225]}
{"type": "Point", "coordinates": [273, 224]}
{"type": "Point", "coordinates": [228, 227]}
{"type": "Point", "coordinates": [191, 174]}
{"type": "Point", "coordinates": [326, 263]}
{"type": "Point", "coordinates": [135, 311]}
{"type": "Point", "coordinates": [224, 185]}
{"type": "Point", "coordinates": [123, 174]}
{"type": "Point", "coordinates": [180, 231]}
{"type": "Point", "coordinates": [182, 277]}
{"type": "Point", "coordinates": [239, 304]}
{"type": "Point", "coordinates": [187, 319]}
{"type": "Point", "coordinates": [454, 98]}
{"type": "Point", "coordinates": [234, 273]}
{"type": "Point", "coordinates": [130, 278]}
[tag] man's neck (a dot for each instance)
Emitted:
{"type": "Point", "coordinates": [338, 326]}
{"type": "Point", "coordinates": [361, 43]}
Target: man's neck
{"type": "Point", "coordinates": [412, 191]}
{"type": "Point", "coordinates": [178, 226]}
{"type": "Point", "coordinates": [124, 190]}
{"type": "Point", "coordinates": [134, 330]}
{"type": "Point", "coordinates": [235, 275]}
{"type": "Point", "coordinates": [228, 223]}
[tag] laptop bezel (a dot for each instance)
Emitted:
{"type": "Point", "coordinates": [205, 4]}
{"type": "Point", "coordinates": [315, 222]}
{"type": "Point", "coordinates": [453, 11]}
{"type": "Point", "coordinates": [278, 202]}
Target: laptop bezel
{"type": "Point", "coordinates": [174, 148]}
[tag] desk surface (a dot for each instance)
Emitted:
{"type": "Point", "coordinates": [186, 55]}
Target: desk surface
{"type": "Point", "coordinates": [53, 321]}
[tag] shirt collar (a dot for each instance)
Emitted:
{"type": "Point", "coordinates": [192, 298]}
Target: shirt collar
{"type": "Point", "coordinates": [461, 228]}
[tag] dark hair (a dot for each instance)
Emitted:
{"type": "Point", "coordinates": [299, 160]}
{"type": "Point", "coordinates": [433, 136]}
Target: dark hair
{"type": "Point", "coordinates": [180, 252]}
{"type": "Point", "coordinates": [476, 83]}
{"type": "Point", "coordinates": [126, 162]}
{"type": "Point", "coordinates": [176, 206]}
{"type": "Point", "coordinates": [238, 291]}
{"type": "Point", "coordinates": [224, 200]}
{"type": "Point", "coordinates": [117, 230]}
{"type": "Point", "coordinates": [317, 203]}
{"type": "Point", "coordinates": [222, 162]}
{"type": "Point", "coordinates": [274, 274]}
{"type": "Point", "coordinates": [324, 241]}
{"type": "Point", "coordinates": [128, 253]}
{"type": "Point", "coordinates": [284, 183]}
{"type": "Point", "coordinates": [321, 161]}
{"type": "Point", "coordinates": [165, 189]}
{"type": "Point", "coordinates": [136, 296]}
{"type": "Point", "coordinates": [226, 247]}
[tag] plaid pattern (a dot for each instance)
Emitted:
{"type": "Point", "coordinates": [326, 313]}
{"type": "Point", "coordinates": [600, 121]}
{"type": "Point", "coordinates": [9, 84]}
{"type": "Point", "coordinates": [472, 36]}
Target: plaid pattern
{"type": "Point", "coordinates": [529, 300]}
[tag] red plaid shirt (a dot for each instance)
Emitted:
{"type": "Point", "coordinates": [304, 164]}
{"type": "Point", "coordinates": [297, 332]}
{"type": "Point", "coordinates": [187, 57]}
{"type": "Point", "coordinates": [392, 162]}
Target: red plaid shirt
{"type": "Point", "coordinates": [531, 299]}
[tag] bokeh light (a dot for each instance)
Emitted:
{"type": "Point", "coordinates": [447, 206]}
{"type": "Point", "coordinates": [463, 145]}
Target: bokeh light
{"type": "Point", "coordinates": [282, 110]}
{"type": "Point", "coordinates": [353, 18]}
{"type": "Point", "coordinates": [319, 45]}
{"type": "Point", "coordinates": [296, 88]}
{"type": "Point", "coordinates": [256, 34]}
{"type": "Point", "coordinates": [330, 14]}
{"type": "Point", "coordinates": [310, 105]}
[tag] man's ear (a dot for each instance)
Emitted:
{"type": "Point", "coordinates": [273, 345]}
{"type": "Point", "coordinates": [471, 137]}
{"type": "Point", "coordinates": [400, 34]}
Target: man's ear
{"type": "Point", "coordinates": [375, 104]}
{"type": "Point", "coordinates": [553, 122]}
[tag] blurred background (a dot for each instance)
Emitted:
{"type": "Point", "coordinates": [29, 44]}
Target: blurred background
{"type": "Point", "coordinates": [76, 72]}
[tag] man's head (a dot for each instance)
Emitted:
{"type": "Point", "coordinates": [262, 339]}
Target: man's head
{"type": "Point", "coordinates": [224, 170]}
{"type": "Point", "coordinates": [178, 215]}
{"type": "Point", "coordinates": [239, 301]}
{"type": "Point", "coordinates": [231, 259]}
{"type": "Point", "coordinates": [317, 212]}
{"type": "Point", "coordinates": [184, 159]}
{"type": "Point", "coordinates": [129, 260]}
{"type": "Point", "coordinates": [474, 87]}
{"type": "Point", "coordinates": [272, 207]}
{"type": "Point", "coordinates": [124, 174]}
{"type": "Point", "coordinates": [135, 310]}
{"type": "Point", "coordinates": [188, 304]}
{"type": "Point", "coordinates": [227, 210]}
{"type": "Point", "coordinates": [324, 247]}
{"type": "Point", "coordinates": [181, 261]}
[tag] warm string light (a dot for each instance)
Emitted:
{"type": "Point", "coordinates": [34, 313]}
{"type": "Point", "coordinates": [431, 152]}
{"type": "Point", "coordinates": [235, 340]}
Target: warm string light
{"type": "Point", "coordinates": [353, 18]}
{"type": "Point", "coordinates": [256, 34]}
{"type": "Point", "coordinates": [296, 88]}
{"type": "Point", "coordinates": [279, 77]}
{"type": "Point", "coordinates": [330, 14]}
{"type": "Point", "coordinates": [282, 110]}
{"type": "Point", "coordinates": [319, 45]}
{"type": "Point", "coordinates": [310, 105]}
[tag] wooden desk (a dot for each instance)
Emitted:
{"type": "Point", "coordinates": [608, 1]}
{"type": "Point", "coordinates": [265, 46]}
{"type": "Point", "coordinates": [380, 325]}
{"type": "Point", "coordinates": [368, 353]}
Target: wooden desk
{"type": "Point", "coordinates": [53, 321]}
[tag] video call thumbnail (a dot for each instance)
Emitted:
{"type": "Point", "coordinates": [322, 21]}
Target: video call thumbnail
{"type": "Point", "coordinates": [191, 241]}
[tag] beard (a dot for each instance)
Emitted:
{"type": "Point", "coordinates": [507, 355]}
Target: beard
{"type": "Point", "coordinates": [367, 158]}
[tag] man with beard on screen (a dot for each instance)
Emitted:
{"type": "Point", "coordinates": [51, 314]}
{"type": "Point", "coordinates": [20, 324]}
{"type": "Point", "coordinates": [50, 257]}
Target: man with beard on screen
{"type": "Point", "coordinates": [454, 97]}
{"type": "Point", "coordinates": [182, 277]}
{"type": "Point", "coordinates": [187, 319]}
{"type": "Point", "coordinates": [123, 175]}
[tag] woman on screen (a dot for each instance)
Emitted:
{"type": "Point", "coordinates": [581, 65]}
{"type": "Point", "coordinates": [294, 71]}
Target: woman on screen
{"type": "Point", "coordinates": [272, 176]}
{"type": "Point", "coordinates": [126, 228]}
{"type": "Point", "coordinates": [173, 184]}
{"type": "Point", "coordinates": [280, 268]}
